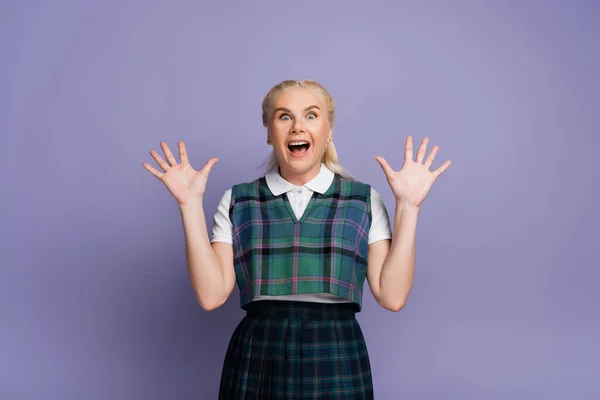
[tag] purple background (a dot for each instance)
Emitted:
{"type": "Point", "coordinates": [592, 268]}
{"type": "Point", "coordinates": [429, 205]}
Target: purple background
{"type": "Point", "coordinates": [95, 301]}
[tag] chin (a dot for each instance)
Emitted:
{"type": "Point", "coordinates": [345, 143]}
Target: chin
{"type": "Point", "coordinates": [302, 168]}
{"type": "Point", "coordinates": [298, 165]}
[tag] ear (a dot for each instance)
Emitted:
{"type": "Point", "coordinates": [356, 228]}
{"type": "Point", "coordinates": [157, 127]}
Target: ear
{"type": "Point", "coordinates": [269, 137]}
{"type": "Point", "coordinates": [330, 135]}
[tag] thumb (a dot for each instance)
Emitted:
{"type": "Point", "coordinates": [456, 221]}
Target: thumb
{"type": "Point", "coordinates": [209, 166]}
{"type": "Point", "coordinates": [385, 166]}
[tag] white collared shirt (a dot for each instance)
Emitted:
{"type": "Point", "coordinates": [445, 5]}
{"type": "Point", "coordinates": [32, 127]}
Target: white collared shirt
{"type": "Point", "coordinates": [299, 196]}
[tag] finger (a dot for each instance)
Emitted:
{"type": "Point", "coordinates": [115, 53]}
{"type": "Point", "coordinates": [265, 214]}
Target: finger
{"type": "Point", "coordinates": [153, 170]}
{"type": "Point", "coordinates": [441, 169]}
{"type": "Point", "coordinates": [431, 157]}
{"type": "Point", "coordinates": [170, 158]}
{"type": "Point", "coordinates": [408, 149]}
{"type": "Point", "coordinates": [385, 166]}
{"type": "Point", "coordinates": [422, 149]}
{"type": "Point", "coordinates": [209, 166]}
{"type": "Point", "coordinates": [161, 163]}
{"type": "Point", "coordinates": [183, 153]}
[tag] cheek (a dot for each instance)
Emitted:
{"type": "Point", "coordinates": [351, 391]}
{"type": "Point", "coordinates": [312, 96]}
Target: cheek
{"type": "Point", "coordinates": [321, 132]}
{"type": "Point", "coordinates": [277, 134]}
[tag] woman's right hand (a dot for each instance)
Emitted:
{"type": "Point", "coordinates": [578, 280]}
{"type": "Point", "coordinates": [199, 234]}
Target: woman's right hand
{"type": "Point", "coordinates": [184, 182]}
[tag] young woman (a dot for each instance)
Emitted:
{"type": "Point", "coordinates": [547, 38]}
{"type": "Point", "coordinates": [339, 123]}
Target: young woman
{"type": "Point", "coordinates": [300, 242]}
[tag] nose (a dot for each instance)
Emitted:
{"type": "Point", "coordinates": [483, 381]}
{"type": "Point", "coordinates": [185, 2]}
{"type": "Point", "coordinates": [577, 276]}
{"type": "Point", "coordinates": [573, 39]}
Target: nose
{"type": "Point", "coordinates": [297, 127]}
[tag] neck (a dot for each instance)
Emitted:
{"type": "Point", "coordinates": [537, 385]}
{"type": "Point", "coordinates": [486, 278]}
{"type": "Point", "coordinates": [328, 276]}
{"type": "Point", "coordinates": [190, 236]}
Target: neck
{"type": "Point", "coordinates": [299, 179]}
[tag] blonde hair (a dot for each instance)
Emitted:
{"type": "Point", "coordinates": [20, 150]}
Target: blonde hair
{"type": "Point", "coordinates": [330, 158]}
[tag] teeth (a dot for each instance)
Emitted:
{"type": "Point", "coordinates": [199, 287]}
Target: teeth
{"type": "Point", "coordinates": [297, 143]}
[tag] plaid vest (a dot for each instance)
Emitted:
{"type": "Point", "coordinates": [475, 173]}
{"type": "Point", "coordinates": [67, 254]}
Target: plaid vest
{"type": "Point", "coordinates": [323, 252]}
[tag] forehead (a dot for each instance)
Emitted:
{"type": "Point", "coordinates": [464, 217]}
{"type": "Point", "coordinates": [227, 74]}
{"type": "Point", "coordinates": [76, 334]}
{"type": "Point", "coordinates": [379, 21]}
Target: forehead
{"type": "Point", "coordinates": [299, 98]}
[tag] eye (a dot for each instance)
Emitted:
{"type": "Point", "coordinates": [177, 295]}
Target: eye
{"type": "Point", "coordinates": [284, 117]}
{"type": "Point", "coordinates": [311, 116]}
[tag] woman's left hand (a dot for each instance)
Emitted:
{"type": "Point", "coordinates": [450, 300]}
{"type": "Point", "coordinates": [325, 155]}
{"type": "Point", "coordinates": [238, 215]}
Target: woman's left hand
{"type": "Point", "coordinates": [412, 183]}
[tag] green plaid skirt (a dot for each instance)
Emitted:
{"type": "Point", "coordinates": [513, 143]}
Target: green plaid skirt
{"type": "Point", "coordinates": [297, 350]}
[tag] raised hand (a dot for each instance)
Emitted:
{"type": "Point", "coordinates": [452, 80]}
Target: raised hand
{"type": "Point", "coordinates": [184, 182]}
{"type": "Point", "coordinates": [413, 182]}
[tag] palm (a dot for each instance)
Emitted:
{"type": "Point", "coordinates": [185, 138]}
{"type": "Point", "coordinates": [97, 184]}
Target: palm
{"type": "Point", "coordinates": [183, 181]}
{"type": "Point", "coordinates": [413, 182]}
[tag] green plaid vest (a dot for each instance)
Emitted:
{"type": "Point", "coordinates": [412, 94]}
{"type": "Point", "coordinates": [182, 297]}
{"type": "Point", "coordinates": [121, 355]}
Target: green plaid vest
{"type": "Point", "coordinates": [323, 252]}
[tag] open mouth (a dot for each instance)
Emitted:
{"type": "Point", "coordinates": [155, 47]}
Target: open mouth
{"type": "Point", "coordinates": [298, 148]}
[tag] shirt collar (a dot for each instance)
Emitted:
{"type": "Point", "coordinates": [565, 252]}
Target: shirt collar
{"type": "Point", "coordinates": [320, 183]}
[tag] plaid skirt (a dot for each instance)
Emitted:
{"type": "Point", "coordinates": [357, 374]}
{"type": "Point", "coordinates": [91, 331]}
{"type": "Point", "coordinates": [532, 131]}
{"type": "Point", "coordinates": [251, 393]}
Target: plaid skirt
{"type": "Point", "coordinates": [297, 350]}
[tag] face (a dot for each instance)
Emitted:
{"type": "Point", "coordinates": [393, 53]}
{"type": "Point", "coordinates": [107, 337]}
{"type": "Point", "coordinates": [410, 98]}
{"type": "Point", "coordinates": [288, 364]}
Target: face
{"type": "Point", "coordinates": [299, 130]}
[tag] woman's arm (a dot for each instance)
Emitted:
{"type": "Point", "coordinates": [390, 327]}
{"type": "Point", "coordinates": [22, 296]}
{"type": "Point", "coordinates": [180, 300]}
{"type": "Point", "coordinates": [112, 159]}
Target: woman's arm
{"type": "Point", "coordinates": [391, 265]}
{"type": "Point", "coordinates": [210, 267]}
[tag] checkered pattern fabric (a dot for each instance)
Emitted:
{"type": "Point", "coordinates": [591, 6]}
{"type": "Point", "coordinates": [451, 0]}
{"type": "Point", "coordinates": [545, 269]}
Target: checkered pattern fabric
{"type": "Point", "coordinates": [323, 252]}
{"type": "Point", "coordinates": [297, 350]}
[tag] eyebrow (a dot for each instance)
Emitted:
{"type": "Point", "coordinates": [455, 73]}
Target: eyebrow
{"type": "Point", "coordinates": [287, 110]}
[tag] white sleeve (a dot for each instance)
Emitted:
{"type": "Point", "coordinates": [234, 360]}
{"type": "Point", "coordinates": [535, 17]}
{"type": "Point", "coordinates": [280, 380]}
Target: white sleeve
{"type": "Point", "coordinates": [380, 225]}
{"type": "Point", "coordinates": [222, 226]}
